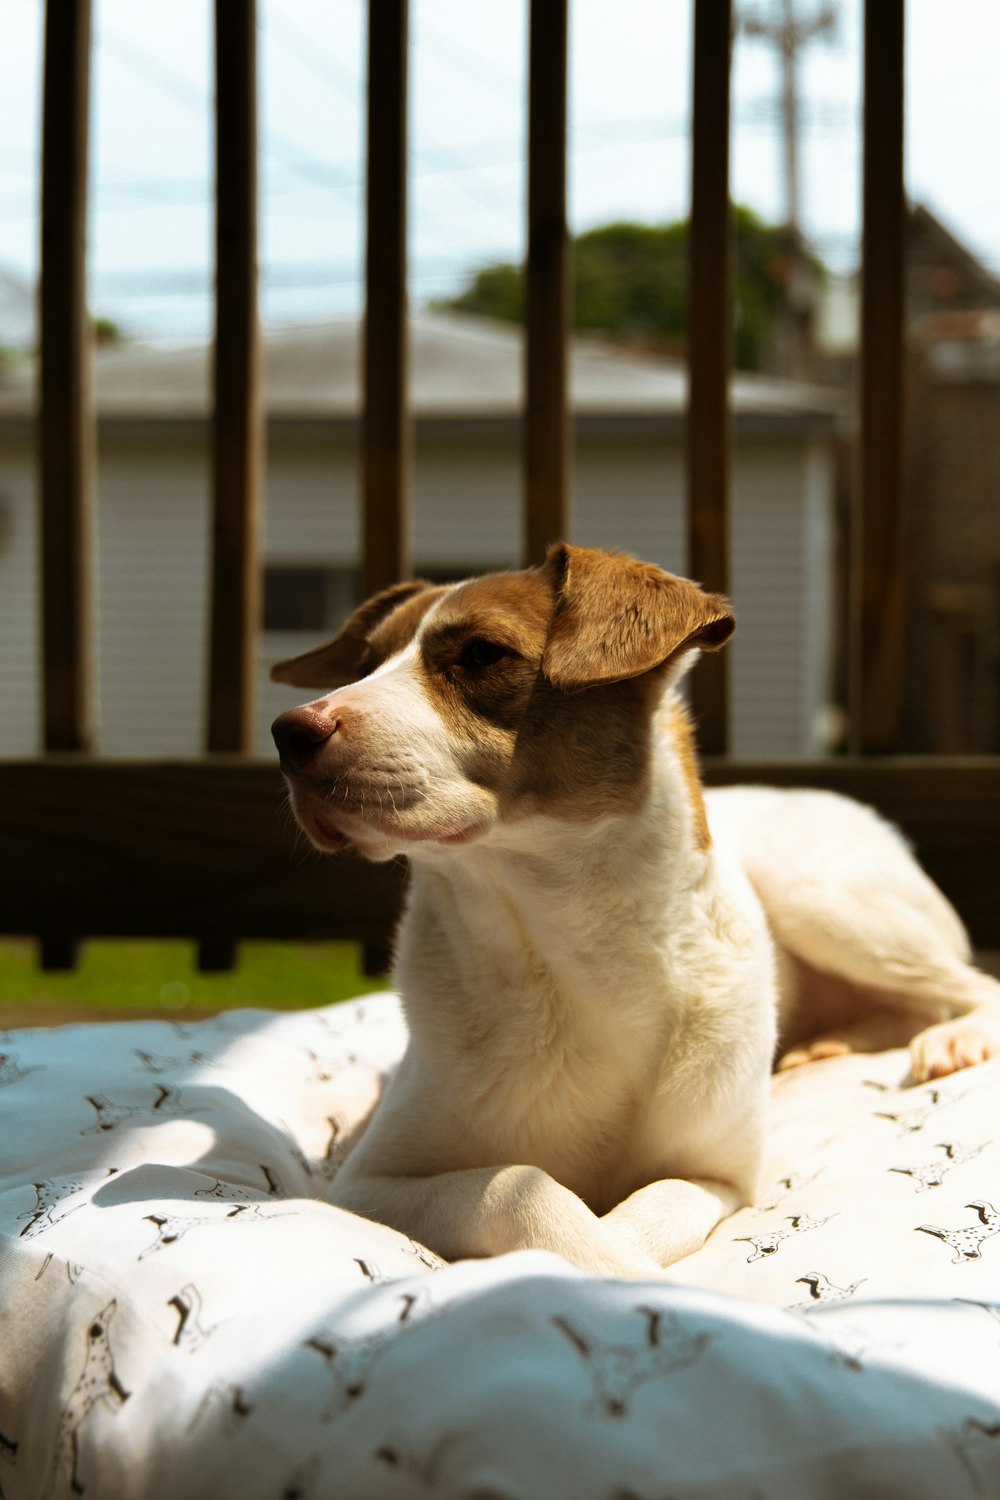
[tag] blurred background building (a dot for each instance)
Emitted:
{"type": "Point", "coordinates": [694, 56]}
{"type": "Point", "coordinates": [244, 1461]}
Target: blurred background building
{"type": "Point", "coordinates": [629, 493]}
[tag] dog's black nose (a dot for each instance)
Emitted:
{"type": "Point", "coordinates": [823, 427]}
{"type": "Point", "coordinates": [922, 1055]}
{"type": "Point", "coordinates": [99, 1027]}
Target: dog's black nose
{"type": "Point", "coordinates": [299, 733]}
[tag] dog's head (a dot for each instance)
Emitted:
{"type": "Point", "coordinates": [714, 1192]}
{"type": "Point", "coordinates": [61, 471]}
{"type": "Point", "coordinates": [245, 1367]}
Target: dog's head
{"type": "Point", "coordinates": [448, 711]}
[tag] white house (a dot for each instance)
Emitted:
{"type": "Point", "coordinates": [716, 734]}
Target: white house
{"type": "Point", "coordinates": [628, 492]}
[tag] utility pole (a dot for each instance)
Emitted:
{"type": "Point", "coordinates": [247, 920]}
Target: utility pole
{"type": "Point", "coordinates": [785, 28]}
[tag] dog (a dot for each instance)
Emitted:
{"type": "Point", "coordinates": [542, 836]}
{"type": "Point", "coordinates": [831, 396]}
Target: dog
{"type": "Point", "coordinates": [595, 958]}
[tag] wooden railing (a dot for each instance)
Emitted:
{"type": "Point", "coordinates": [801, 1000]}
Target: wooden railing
{"type": "Point", "coordinates": [203, 849]}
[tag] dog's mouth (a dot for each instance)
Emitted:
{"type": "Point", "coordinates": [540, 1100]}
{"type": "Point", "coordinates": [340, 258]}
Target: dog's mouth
{"type": "Point", "coordinates": [330, 834]}
{"type": "Point", "coordinates": [324, 834]}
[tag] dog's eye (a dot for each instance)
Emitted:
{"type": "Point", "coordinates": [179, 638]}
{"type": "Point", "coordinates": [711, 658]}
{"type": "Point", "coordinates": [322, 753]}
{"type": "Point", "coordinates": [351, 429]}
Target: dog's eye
{"type": "Point", "coordinates": [476, 655]}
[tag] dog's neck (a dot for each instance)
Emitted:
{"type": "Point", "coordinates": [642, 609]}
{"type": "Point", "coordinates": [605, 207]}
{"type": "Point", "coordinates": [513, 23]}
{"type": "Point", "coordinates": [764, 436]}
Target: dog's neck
{"type": "Point", "coordinates": [555, 913]}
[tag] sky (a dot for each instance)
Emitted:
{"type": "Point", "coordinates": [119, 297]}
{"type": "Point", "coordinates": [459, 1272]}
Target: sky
{"type": "Point", "coordinates": [151, 148]}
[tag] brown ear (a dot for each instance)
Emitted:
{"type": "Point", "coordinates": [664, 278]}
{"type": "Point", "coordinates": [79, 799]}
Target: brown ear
{"type": "Point", "coordinates": [346, 657]}
{"type": "Point", "coordinates": [617, 618]}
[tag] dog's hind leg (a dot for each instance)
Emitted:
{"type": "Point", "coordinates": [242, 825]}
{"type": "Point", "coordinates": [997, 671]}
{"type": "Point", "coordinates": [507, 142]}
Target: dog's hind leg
{"type": "Point", "coordinates": [902, 969]}
{"type": "Point", "coordinates": [844, 896]}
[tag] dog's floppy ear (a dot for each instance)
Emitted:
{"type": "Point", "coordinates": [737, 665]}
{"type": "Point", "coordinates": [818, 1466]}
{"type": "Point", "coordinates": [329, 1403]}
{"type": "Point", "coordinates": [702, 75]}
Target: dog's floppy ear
{"type": "Point", "coordinates": [616, 618]}
{"type": "Point", "coordinates": [346, 657]}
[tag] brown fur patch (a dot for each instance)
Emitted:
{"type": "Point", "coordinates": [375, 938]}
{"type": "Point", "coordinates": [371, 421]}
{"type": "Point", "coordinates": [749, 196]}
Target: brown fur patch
{"type": "Point", "coordinates": [681, 732]}
{"type": "Point", "coordinates": [583, 757]}
{"type": "Point", "coordinates": [513, 609]}
{"type": "Point", "coordinates": [538, 750]}
{"type": "Point", "coordinates": [396, 630]}
{"type": "Point", "coordinates": [348, 655]}
{"type": "Point", "coordinates": [617, 618]}
{"type": "Point", "coordinates": [484, 708]}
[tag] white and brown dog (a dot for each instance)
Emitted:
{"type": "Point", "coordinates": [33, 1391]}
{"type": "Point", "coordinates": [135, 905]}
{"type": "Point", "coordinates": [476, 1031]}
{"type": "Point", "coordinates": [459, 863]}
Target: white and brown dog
{"type": "Point", "coordinates": [594, 958]}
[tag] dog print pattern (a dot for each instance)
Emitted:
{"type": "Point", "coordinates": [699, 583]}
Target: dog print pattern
{"type": "Point", "coordinates": [158, 1063]}
{"type": "Point", "coordinates": [55, 1199]}
{"type": "Point", "coordinates": [71, 1270]}
{"type": "Point", "coordinates": [932, 1174]}
{"type": "Point", "coordinates": [11, 1071]}
{"type": "Point", "coordinates": [173, 1227]}
{"type": "Point", "coordinates": [968, 1243]}
{"type": "Point", "coordinates": [770, 1243]}
{"type": "Point", "coordinates": [617, 1370]}
{"type": "Point", "coordinates": [168, 1104]}
{"type": "Point", "coordinates": [226, 1402]}
{"type": "Point", "coordinates": [98, 1383]}
{"type": "Point", "coordinates": [822, 1289]}
{"type": "Point", "coordinates": [352, 1361]}
{"type": "Point", "coordinates": [191, 1331]}
{"type": "Point", "coordinates": [976, 1445]}
{"type": "Point", "coordinates": [913, 1118]}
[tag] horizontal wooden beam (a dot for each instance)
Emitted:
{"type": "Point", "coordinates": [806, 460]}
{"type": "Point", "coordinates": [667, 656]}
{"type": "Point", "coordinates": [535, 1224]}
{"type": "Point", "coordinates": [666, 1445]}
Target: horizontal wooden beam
{"type": "Point", "coordinates": [208, 850]}
{"type": "Point", "coordinates": [198, 849]}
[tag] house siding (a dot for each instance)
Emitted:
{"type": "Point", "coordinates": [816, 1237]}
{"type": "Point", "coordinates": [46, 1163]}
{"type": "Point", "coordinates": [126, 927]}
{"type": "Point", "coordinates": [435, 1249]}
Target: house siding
{"type": "Point", "coordinates": [153, 538]}
{"type": "Point", "coordinates": [20, 653]}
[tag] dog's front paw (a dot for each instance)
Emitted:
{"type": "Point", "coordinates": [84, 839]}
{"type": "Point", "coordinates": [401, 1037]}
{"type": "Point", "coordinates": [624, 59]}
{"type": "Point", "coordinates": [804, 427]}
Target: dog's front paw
{"type": "Point", "coordinates": [950, 1045]}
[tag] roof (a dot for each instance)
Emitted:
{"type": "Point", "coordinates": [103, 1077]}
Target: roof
{"type": "Point", "coordinates": [932, 247]}
{"type": "Point", "coordinates": [461, 367]}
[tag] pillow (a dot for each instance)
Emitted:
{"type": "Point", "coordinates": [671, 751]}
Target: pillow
{"type": "Point", "coordinates": [184, 1314]}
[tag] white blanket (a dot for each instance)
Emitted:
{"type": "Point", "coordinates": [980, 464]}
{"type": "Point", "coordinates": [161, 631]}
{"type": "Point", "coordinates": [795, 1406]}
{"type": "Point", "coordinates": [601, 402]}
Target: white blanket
{"type": "Point", "coordinates": [182, 1314]}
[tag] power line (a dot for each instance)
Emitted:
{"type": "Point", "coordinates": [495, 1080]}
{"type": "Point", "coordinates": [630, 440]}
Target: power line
{"type": "Point", "coordinates": [469, 63]}
{"type": "Point", "coordinates": [490, 156]}
{"type": "Point", "coordinates": [789, 34]}
{"type": "Point", "coordinates": [295, 159]}
{"type": "Point", "coordinates": [324, 65]}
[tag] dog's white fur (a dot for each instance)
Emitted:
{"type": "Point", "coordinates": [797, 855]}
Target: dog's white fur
{"type": "Point", "coordinates": [593, 997]}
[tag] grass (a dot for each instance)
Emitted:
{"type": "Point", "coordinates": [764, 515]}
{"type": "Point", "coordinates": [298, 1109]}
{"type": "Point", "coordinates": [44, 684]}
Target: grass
{"type": "Point", "coordinates": [115, 979]}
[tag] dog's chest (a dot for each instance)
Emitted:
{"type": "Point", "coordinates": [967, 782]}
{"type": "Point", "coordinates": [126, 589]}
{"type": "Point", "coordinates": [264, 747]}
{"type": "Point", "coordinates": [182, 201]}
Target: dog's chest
{"type": "Point", "coordinates": [573, 1111]}
{"type": "Point", "coordinates": [580, 1028]}
{"type": "Point", "coordinates": [568, 1079]}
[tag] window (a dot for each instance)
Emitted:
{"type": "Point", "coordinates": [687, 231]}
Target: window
{"type": "Point", "coordinates": [309, 599]}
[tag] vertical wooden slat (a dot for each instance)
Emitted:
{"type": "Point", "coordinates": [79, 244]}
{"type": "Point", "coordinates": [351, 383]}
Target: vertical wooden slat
{"type": "Point", "coordinates": [876, 658]}
{"type": "Point", "coordinates": [547, 439]}
{"type": "Point", "coordinates": [237, 427]}
{"type": "Point", "coordinates": [709, 349]}
{"type": "Point", "coordinates": [66, 427]}
{"type": "Point", "coordinates": [57, 954]}
{"type": "Point", "coordinates": [387, 441]}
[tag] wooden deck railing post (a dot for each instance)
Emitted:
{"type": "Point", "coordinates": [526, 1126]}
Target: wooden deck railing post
{"type": "Point", "coordinates": [709, 349]}
{"type": "Point", "coordinates": [547, 425]}
{"type": "Point", "coordinates": [66, 445]}
{"type": "Point", "coordinates": [876, 615]}
{"type": "Point", "coordinates": [237, 426]}
{"type": "Point", "coordinates": [388, 439]}
{"type": "Point", "coordinates": [66, 426]}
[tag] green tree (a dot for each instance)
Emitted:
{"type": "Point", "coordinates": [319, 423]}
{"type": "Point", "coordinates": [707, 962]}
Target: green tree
{"type": "Point", "coordinates": [630, 281]}
{"type": "Point", "coordinates": [108, 332]}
